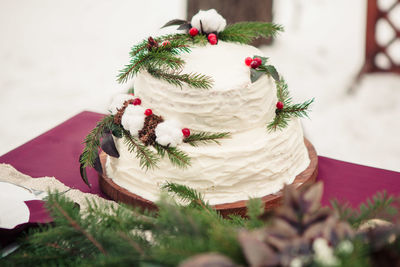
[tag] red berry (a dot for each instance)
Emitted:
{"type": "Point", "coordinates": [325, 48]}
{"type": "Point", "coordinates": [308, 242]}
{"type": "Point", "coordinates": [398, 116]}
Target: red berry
{"type": "Point", "coordinates": [186, 132]}
{"type": "Point", "coordinates": [193, 31]}
{"type": "Point", "coordinates": [254, 64]}
{"type": "Point", "coordinates": [212, 38]}
{"type": "Point", "coordinates": [279, 105]}
{"type": "Point", "coordinates": [259, 61]}
{"type": "Point", "coordinates": [148, 112]}
{"type": "Point", "coordinates": [136, 101]}
{"type": "Point", "coordinates": [166, 43]}
{"type": "Point", "coordinates": [248, 61]}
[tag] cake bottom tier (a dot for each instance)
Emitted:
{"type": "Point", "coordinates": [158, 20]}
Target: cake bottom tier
{"type": "Point", "coordinates": [250, 164]}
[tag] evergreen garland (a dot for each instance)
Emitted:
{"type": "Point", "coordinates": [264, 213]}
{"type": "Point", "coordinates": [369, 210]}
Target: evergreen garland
{"type": "Point", "coordinates": [107, 235]}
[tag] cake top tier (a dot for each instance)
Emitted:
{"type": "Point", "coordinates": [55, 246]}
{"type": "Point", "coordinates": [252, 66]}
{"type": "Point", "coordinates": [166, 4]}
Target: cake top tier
{"type": "Point", "coordinates": [223, 63]}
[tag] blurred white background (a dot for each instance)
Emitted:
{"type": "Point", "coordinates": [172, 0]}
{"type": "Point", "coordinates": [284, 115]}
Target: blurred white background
{"type": "Point", "coordinates": [58, 58]}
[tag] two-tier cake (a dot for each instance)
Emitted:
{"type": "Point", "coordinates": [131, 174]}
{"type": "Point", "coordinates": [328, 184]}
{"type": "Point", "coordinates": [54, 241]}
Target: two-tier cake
{"type": "Point", "coordinates": [207, 112]}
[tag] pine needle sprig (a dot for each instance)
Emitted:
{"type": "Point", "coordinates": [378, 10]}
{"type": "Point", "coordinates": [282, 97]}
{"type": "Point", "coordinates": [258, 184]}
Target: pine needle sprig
{"type": "Point", "coordinates": [92, 141]}
{"type": "Point", "coordinates": [163, 61]}
{"type": "Point", "coordinates": [203, 137]}
{"type": "Point", "coordinates": [246, 32]}
{"type": "Point", "coordinates": [381, 206]}
{"type": "Point", "coordinates": [147, 158]}
{"type": "Point", "coordinates": [289, 110]}
{"type": "Point", "coordinates": [177, 157]}
{"type": "Point", "coordinates": [186, 194]}
{"type": "Point", "coordinates": [194, 80]}
{"type": "Point", "coordinates": [298, 110]}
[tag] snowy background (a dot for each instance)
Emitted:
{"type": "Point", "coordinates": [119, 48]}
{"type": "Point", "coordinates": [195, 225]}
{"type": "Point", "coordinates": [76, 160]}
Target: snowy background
{"type": "Point", "coordinates": [58, 58]}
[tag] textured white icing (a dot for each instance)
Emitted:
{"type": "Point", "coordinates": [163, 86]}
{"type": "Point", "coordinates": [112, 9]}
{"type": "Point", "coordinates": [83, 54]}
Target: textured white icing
{"type": "Point", "coordinates": [252, 163]}
{"type": "Point", "coordinates": [233, 103]}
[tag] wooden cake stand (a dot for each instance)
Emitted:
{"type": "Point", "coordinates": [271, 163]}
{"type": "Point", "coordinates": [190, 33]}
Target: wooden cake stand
{"type": "Point", "coordinates": [271, 201]}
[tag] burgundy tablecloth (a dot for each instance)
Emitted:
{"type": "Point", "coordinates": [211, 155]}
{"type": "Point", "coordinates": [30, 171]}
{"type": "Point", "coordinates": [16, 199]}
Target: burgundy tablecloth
{"type": "Point", "coordinates": [56, 153]}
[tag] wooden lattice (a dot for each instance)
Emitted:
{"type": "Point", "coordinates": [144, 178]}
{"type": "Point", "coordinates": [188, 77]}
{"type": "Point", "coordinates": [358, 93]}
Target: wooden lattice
{"type": "Point", "coordinates": [373, 48]}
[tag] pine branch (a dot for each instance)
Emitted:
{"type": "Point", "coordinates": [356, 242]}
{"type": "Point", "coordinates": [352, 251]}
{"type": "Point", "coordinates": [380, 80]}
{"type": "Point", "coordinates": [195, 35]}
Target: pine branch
{"type": "Point", "coordinates": [282, 92]}
{"type": "Point", "coordinates": [279, 122]}
{"type": "Point", "coordinates": [186, 194]}
{"type": "Point", "coordinates": [202, 137]}
{"type": "Point", "coordinates": [148, 159]}
{"type": "Point", "coordinates": [255, 208]}
{"type": "Point", "coordinates": [176, 156]}
{"type": "Point", "coordinates": [77, 227]}
{"type": "Point", "coordinates": [92, 141]}
{"type": "Point", "coordinates": [92, 144]}
{"type": "Point", "coordinates": [282, 116]}
{"type": "Point", "coordinates": [246, 32]}
{"type": "Point", "coordinates": [298, 110]}
{"type": "Point", "coordinates": [192, 79]}
{"type": "Point", "coordinates": [381, 206]}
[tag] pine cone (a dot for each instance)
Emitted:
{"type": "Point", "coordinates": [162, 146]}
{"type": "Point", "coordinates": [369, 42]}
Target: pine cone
{"type": "Point", "coordinates": [151, 43]}
{"type": "Point", "coordinates": [120, 112]}
{"type": "Point", "coordinates": [147, 134]}
{"type": "Point", "coordinates": [295, 225]}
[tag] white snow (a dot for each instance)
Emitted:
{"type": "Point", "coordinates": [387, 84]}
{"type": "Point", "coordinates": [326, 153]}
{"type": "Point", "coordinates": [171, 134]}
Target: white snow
{"type": "Point", "coordinates": [58, 58]}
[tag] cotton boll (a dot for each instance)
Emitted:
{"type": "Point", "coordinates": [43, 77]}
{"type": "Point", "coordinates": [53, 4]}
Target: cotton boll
{"type": "Point", "coordinates": [169, 133]}
{"type": "Point", "coordinates": [210, 20]}
{"type": "Point", "coordinates": [118, 102]}
{"type": "Point", "coordinates": [133, 119]}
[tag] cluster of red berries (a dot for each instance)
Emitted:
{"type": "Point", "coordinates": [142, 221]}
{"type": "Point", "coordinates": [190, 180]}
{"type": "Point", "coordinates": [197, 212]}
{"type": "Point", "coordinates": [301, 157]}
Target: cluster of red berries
{"type": "Point", "coordinates": [148, 112]}
{"type": "Point", "coordinates": [253, 62]}
{"type": "Point", "coordinates": [212, 37]}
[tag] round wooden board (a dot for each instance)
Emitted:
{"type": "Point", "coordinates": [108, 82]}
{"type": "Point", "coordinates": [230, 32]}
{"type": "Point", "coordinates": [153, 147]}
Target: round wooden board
{"type": "Point", "coordinates": [271, 201]}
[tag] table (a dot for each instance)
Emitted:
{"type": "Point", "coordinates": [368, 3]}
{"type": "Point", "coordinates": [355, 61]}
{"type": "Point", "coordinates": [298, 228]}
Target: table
{"type": "Point", "coordinates": [56, 153]}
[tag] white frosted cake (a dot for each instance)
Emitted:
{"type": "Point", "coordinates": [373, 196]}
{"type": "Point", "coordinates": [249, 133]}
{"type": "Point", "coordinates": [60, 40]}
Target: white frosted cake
{"type": "Point", "coordinates": [252, 162]}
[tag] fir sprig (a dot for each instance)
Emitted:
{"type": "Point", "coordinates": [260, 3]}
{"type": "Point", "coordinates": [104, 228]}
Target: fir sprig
{"type": "Point", "coordinates": [175, 155]}
{"type": "Point", "coordinates": [92, 143]}
{"type": "Point", "coordinates": [246, 32]}
{"type": "Point", "coordinates": [147, 158]}
{"type": "Point", "coordinates": [195, 80]}
{"type": "Point", "coordinates": [380, 206]}
{"type": "Point", "coordinates": [163, 61]}
{"type": "Point", "coordinates": [289, 110]}
{"type": "Point", "coordinates": [203, 137]}
{"type": "Point", "coordinates": [185, 193]}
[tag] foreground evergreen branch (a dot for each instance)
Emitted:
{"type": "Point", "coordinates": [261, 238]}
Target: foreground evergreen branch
{"type": "Point", "coordinates": [300, 232]}
{"type": "Point", "coordinates": [186, 194]}
{"type": "Point", "coordinates": [246, 32]}
{"type": "Point", "coordinates": [381, 206]}
{"type": "Point", "coordinates": [147, 158]}
{"type": "Point", "coordinates": [202, 137]}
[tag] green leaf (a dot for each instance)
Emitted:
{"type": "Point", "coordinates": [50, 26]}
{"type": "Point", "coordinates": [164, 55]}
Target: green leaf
{"type": "Point", "coordinates": [174, 22]}
{"type": "Point", "coordinates": [255, 75]}
{"type": "Point", "coordinates": [272, 71]}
